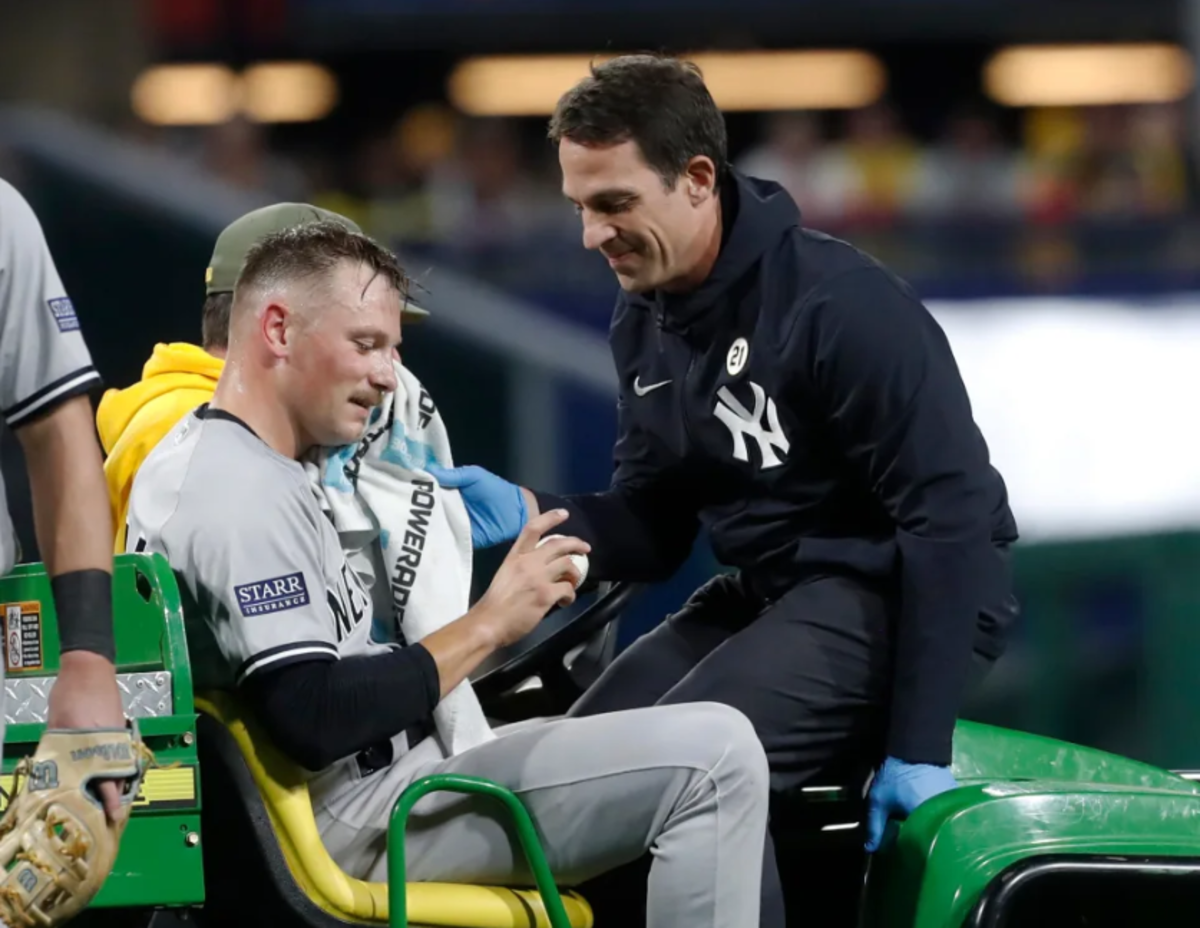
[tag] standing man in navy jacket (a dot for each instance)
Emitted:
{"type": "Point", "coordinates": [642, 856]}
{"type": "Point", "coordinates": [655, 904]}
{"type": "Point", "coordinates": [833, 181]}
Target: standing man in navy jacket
{"type": "Point", "coordinates": [789, 393]}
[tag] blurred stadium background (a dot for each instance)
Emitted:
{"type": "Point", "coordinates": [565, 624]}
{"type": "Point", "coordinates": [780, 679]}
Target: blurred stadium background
{"type": "Point", "coordinates": [1030, 166]}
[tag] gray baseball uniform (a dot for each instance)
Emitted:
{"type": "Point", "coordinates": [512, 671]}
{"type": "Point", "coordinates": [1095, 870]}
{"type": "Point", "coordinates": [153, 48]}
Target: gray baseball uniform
{"type": "Point", "coordinates": [264, 571]}
{"type": "Point", "coordinates": [43, 358]}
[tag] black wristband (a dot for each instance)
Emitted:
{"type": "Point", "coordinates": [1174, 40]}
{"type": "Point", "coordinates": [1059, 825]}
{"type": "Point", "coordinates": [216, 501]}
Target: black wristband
{"type": "Point", "coordinates": [83, 603]}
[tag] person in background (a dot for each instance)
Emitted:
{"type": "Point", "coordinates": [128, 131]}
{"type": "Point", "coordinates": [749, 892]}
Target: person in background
{"type": "Point", "coordinates": [46, 372]}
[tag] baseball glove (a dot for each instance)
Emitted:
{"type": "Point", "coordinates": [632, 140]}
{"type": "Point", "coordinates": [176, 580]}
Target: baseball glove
{"type": "Point", "coordinates": [57, 846]}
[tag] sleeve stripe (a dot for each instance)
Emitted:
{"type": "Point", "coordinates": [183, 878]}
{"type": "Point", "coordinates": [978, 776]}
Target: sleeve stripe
{"type": "Point", "coordinates": [64, 388]}
{"type": "Point", "coordinates": [286, 654]}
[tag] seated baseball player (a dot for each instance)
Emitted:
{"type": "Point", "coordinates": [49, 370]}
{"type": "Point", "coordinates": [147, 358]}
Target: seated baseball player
{"type": "Point", "coordinates": [278, 615]}
{"type": "Point", "coordinates": [179, 376]}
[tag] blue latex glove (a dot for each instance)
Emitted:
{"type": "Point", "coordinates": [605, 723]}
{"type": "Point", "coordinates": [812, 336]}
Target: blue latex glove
{"type": "Point", "coordinates": [496, 507]}
{"type": "Point", "coordinates": [898, 788]}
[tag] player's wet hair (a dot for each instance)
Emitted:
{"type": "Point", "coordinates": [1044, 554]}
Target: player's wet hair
{"type": "Point", "coordinates": [661, 103]}
{"type": "Point", "coordinates": [311, 252]}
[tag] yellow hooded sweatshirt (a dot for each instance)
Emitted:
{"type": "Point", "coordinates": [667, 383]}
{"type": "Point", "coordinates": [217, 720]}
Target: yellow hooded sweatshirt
{"type": "Point", "coordinates": [177, 378]}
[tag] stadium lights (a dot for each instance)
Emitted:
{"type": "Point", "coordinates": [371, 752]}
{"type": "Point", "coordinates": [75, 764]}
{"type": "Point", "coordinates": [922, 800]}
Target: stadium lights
{"type": "Point", "coordinates": [185, 94]}
{"type": "Point", "coordinates": [530, 85]}
{"type": "Point", "coordinates": [1088, 75]}
{"type": "Point", "coordinates": [207, 94]}
{"type": "Point", "coordinates": [289, 92]}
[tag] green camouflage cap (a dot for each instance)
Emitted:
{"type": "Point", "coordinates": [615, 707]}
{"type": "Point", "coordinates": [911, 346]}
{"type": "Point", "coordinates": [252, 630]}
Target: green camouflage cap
{"type": "Point", "coordinates": [237, 238]}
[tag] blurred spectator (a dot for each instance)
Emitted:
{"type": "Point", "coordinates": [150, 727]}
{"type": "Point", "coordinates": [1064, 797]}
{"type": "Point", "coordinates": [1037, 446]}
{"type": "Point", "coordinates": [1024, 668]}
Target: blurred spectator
{"type": "Point", "coordinates": [1051, 139]}
{"type": "Point", "coordinates": [971, 174]}
{"type": "Point", "coordinates": [237, 152]}
{"type": "Point", "coordinates": [1158, 137]}
{"type": "Point", "coordinates": [793, 154]}
{"type": "Point", "coordinates": [486, 196]}
{"type": "Point", "coordinates": [1116, 162]}
{"type": "Point", "coordinates": [1104, 171]}
{"type": "Point", "coordinates": [884, 161]}
{"type": "Point", "coordinates": [385, 191]}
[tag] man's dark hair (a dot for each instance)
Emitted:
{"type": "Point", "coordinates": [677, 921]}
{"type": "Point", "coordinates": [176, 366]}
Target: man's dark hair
{"type": "Point", "coordinates": [313, 250]}
{"type": "Point", "coordinates": [214, 321]}
{"type": "Point", "coordinates": [661, 103]}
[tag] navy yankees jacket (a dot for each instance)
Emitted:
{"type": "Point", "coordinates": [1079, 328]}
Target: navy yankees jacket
{"type": "Point", "coordinates": [806, 409]}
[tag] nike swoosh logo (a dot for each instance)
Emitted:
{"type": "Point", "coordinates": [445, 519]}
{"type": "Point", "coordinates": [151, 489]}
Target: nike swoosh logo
{"type": "Point", "coordinates": [642, 391]}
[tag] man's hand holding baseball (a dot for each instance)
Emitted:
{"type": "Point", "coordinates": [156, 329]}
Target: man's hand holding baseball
{"type": "Point", "coordinates": [532, 579]}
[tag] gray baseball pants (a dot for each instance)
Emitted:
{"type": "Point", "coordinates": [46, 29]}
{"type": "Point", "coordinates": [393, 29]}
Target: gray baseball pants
{"type": "Point", "coordinates": [688, 783]}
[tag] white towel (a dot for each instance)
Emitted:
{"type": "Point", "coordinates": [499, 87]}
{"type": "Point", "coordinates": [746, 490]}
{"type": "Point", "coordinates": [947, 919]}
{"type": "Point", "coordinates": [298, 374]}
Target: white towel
{"type": "Point", "coordinates": [377, 492]}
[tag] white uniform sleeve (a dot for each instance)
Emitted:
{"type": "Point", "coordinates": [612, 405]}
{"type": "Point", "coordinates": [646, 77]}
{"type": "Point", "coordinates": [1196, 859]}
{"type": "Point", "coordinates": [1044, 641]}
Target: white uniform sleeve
{"type": "Point", "coordinates": [43, 357]}
{"type": "Point", "coordinates": [257, 574]}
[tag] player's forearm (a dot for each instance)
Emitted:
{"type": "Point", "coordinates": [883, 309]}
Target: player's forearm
{"type": "Point", "coordinates": [73, 522]}
{"type": "Point", "coordinates": [318, 711]}
{"type": "Point", "coordinates": [461, 646]}
{"type": "Point", "coordinates": [72, 515]}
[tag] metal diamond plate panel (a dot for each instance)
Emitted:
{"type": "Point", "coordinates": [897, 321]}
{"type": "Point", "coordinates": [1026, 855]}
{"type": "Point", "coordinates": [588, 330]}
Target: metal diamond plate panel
{"type": "Point", "coordinates": [25, 699]}
{"type": "Point", "coordinates": [143, 695]}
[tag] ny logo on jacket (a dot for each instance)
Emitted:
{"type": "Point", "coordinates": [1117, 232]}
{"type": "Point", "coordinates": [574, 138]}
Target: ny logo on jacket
{"type": "Point", "coordinates": [800, 404]}
{"type": "Point", "coordinates": [743, 423]}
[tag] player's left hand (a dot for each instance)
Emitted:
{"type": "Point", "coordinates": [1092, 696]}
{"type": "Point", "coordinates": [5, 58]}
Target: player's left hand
{"type": "Point", "coordinates": [84, 696]}
{"type": "Point", "coordinates": [896, 792]}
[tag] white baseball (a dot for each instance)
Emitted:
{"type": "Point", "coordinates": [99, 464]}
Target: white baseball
{"type": "Point", "coordinates": [579, 560]}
